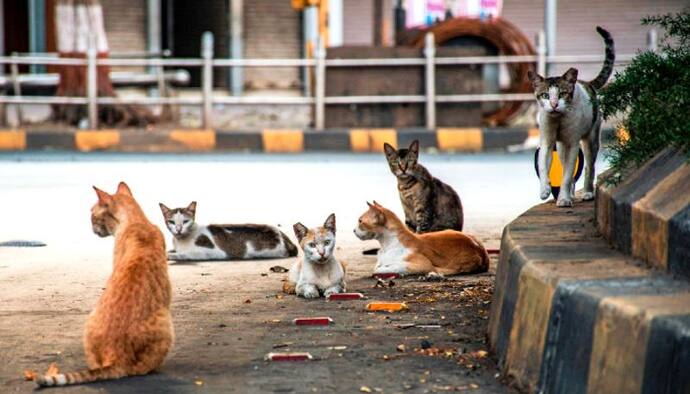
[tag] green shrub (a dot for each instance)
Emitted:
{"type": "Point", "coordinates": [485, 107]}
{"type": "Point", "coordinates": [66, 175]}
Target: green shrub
{"type": "Point", "coordinates": [652, 95]}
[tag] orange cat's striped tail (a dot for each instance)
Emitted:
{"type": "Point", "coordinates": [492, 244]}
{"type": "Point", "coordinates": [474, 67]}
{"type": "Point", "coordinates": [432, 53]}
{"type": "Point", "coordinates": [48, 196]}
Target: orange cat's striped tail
{"type": "Point", "coordinates": [85, 376]}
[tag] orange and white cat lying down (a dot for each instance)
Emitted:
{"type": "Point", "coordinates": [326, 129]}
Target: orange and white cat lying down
{"type": "Point", "coordinates": [446, 252]}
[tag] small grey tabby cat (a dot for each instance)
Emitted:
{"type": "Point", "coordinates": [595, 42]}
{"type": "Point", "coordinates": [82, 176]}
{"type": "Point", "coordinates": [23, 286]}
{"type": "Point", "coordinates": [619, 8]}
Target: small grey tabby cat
{"type": "Point", "coordinates": [429, 204]}
{"type": "Point", "coordinates": [222, 241]}
{"type": "Point", "coordinates": [569, 114]}
{"type": "Point", "coordinates": [319, 272]}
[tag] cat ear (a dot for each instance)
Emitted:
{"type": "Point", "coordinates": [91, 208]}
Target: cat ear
{"type": "Point", "coordinates": [414, 148]}
{"type": "Point", "coordinates": [377, 205]}
{"type": "Point", "coordinates": [534, 78]}
{"type": "Point", "coordinates": [300, 230]}
{"type": "Point", "coordinates": [329, 224]}
{"type": "Point", "coordinates": [571, 75]}
{"type": "Point", "coordinates": [103, 197]}
{"type": "Point", "coordinates": [164, 209]}
{"type": "Point", "coordinates": [389, 150]}
{"type": "Point", "coordinates": [191, 207]}
{"type": "Point", "coordinates": [122, 188]}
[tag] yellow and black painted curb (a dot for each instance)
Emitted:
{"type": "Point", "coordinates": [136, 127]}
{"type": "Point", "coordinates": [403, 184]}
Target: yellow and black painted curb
{"type": "Point", "coordinates": [570, 314]}
{"type": "Point", "coordinates": [648, 214]}
{"type": "Point", "coordinates": [266, 140]}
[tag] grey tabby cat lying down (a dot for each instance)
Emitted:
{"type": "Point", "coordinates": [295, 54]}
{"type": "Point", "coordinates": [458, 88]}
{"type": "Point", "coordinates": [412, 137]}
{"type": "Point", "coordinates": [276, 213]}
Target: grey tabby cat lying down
{"type": "Point", "coordinates": [192, 241]}
{"type": "Point", "coordinates": [569, 117]}
{"type": "Point", "coordinates": [429, 204]}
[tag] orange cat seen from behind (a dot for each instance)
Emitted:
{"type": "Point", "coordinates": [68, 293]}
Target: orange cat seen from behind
{"type": "Point", "coordinates": [130, 331]}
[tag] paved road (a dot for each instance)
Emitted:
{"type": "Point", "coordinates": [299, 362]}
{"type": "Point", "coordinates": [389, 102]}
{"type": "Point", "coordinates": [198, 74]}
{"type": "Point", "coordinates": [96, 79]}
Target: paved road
{"type": "Point", "coordinates": [228, 315]}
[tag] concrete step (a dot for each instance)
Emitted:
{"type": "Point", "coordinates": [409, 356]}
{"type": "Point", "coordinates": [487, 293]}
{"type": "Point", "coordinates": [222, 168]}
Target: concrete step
{"type": "Point", "coordinates": [570, 314]}
{"type": "Point", "coordinates": [648, 214]}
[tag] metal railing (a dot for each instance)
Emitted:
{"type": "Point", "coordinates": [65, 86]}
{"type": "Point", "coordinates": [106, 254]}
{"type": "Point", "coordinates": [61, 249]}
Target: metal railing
{"type": "Point", "coordinates": [319, 64]}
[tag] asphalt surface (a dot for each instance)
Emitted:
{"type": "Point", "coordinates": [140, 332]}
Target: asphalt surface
{"type": "Point", "coordinates": [228, 315]}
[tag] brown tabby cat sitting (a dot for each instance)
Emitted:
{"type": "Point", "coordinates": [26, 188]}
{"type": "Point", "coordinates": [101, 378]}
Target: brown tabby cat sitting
{"type": "Point", "coordinates": [429, 204]}
{"type": "Point", "coordinates": [130, 331]}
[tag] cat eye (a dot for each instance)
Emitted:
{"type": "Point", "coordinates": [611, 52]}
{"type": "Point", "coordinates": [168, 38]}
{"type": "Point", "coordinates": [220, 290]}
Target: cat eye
{"type": "Point", "coordinates": [186, 221]}
{"type": "Point", "coordinates": [544, 95]}
{"type": "Point", "coordinates": [311, 245]}
{"type": "Point", "coordinates": [563, 95]}
{"type": "Point", "coordinates": [171, 222]}
{"type": "Point", "coordinates": [327, 242]}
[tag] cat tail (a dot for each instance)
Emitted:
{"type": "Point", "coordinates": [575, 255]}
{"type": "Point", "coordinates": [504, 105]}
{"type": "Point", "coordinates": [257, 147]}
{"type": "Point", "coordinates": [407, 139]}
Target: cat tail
{"type": "Point", "coordinates": [84, 376]}
{"type": "Point", "coordinates": [289, 246]}
{"type": "Point", "coordinates": [289, 287]}
{"type": "Point", "coordinates": [486, 260]}
{"type": "Point", "coordinates": [607, 68]}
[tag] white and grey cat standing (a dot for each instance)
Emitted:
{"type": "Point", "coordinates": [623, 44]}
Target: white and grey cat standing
{"type": "Point", "coordinates": [192, 241]}
{"type": "Point", "coordinates": [569, 114]}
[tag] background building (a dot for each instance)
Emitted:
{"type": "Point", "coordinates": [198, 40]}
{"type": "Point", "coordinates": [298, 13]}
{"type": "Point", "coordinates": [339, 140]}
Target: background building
{"type": "Point", "coordinates": [274, 29]}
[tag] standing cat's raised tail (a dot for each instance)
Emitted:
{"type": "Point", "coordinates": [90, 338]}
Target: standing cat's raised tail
{"type": "Point", "coordinates": [606, 70]}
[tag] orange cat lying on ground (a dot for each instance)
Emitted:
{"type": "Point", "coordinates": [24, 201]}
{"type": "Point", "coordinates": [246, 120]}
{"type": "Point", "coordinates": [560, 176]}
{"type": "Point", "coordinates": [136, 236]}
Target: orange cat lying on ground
{"type": "Point", "coordinates": [446, 252]}
{"type": "Point", "coordinates": [130, 331]}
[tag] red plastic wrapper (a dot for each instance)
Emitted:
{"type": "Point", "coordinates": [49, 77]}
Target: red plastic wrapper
{"type": "Point", "coordinates": [345, 296]}
{"type": "Point", "coordinates": [312, 321]}
{"type": "Point", "coordinates": [294, 356]}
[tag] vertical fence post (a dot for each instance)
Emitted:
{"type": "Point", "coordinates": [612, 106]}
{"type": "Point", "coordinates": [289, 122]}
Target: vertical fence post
{"type": "Point", "coordinates": [541, 53]}
{"type": "Point", "coordinates": [652, 40]}
{"type": "Point", "coordinates": [207, 78]}
{"type": "Point", "coordinates": [92, 82]}
{"type": "Point", "coordinates": [550, 27]}
{"type": "Point", "coordinates": [430, 80]}
{"type": "Point", "coordinates": [320, 88]}
{"type": "Point", "coordinates": [17, 87]}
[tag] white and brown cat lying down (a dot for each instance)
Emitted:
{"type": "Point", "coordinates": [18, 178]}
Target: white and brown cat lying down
{"type": "Point", "coordinates": [446, 252]}
{"type": "Point", "coordinates": [192, 241]}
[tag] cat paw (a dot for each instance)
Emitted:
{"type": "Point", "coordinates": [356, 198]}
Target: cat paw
{"type": "Point", "coordinates": [309, 292]}
{"type": "Point", "coordinates": [564, 202]}
{"type": "Point", "coordinates": [588, 196]}
{"type": "Point", "coordinates": [173, 256]}
{"type": "Point", "coordinates": [434, 276]}
{"type": "Point", "coordinates": [545, 192]}
{"type": "Point", "coordinates": [390, 269]}
{"type": "Point", "coordinates": [332, 290]}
